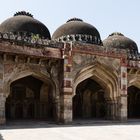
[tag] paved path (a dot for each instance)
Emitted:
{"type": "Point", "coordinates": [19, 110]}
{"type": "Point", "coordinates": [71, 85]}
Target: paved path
{"type": "Point", "coordinates": [42, 131]}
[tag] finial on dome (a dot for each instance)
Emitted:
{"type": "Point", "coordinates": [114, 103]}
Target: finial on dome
{"type": "Point", "coordinates": [75, 19]}
{"type": "Point", "coordinates": [116, 33]}
{"type": "Point", "coordinates": [23, 13]}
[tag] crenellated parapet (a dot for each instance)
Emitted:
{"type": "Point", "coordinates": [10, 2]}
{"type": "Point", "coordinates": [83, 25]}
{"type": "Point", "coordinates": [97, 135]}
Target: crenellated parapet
{"type": "Point", "coordinates": [28, 39]}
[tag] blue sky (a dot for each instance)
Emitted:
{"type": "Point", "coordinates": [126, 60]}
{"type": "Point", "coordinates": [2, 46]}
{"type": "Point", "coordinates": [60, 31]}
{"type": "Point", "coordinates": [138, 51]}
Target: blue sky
{"type": "Point", "coordinates": [106, 15]}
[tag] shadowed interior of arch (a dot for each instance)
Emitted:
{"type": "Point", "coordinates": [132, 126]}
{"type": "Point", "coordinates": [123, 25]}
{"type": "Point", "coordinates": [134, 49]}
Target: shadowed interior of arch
{"type": "Point", "coordinates": [133, 102]}
{"type": "Point", "coordinates": [89, 101]}
{"type": "Point", "coordinates": [30, 98]}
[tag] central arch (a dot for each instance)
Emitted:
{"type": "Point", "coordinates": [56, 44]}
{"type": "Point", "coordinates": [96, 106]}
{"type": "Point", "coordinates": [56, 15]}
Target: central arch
{"type": "Point", "coordinates": [96, 87]}
{"type": "Point", "coordinates": [89, 101]}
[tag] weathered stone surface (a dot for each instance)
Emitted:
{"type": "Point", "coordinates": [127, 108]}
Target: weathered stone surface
{"type": "Point", "coordinates": [62, 70]}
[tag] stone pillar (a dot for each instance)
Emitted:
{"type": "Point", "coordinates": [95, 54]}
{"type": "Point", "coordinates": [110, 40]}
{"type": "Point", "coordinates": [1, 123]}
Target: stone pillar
{"type": "Point", "coordinates": [115, 104]}
{"type": "Point", "coordinates": [86, 105]}
{"type": "Point", "coordinates": [123, 108]}
{"type": "Point", "coordinates": [2, 96]}
{"type": "Point", "coordinates": [123, 90]}
{"type": "Point", "coordinates": [112, 109]}
{"type": "Point", "coordinates": [57, 110]}
{"type": "Point", "coordinates": [2, 109]}
{"type": "Point", "coordinates": [108, 109]}
{"type": "Point", "coordinates": [12, 111]}
{"type": "Point", "coordinates": [66, 102]}
{"type": "Point", "coordinates": [66, 107]}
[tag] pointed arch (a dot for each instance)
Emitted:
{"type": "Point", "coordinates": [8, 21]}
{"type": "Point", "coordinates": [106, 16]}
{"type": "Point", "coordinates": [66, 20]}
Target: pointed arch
{"type": "Point", "coordinates": [25, 73]}
{"type": "Point", "coordinates": [102, 75]}
{"type": "Point", "coordinates": [36, 102]}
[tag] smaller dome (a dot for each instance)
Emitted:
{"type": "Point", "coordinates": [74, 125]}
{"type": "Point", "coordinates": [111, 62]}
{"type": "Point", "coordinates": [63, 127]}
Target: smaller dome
{"type": "Point", "coordinates": [76, 29]}
{"type": "Point", "coordinates": [118, 40]}
{"type": "Point", "coordinates": [23, 22]}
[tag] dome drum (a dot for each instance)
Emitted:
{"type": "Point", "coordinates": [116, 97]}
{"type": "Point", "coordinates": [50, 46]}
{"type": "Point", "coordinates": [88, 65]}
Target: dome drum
{"type": "Point", "coordinates": [80, 38]}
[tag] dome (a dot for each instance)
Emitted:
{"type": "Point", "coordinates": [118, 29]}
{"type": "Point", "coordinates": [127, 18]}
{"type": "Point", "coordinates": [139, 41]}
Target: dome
{"type": "Point", "coordinates": [118, 40]}
{"type": "Point", "coordinates": [77, 30]}
{"type": "Point", "coordinates": [24, 22]}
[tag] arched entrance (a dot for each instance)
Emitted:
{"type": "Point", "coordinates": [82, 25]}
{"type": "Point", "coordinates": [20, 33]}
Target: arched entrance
{"type": "Point", "coordinates": [89, 101]}
{"type": "Point", "coordinates": [30, 98]}
{"type": "Point", "coordinates": [133, 102]}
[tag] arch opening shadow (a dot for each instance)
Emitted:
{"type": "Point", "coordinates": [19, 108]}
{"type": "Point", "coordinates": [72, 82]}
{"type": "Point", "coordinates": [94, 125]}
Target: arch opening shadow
{"type": "Point", "coordinates": [89, 101]}
{"type": "Point", "coordinates": [133, 102]}
{"type": "Point", "coordinates": [30, 98]}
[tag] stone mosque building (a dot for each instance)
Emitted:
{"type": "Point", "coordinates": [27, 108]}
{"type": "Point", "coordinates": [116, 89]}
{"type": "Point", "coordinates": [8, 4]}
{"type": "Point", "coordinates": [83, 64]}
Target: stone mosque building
{"type": "Point", "coordinates": [70, 75]}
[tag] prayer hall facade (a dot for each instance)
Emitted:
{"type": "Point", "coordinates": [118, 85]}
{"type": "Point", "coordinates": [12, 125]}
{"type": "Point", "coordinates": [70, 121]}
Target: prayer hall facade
{"type": "Point", "coordinates": [70, 75]}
